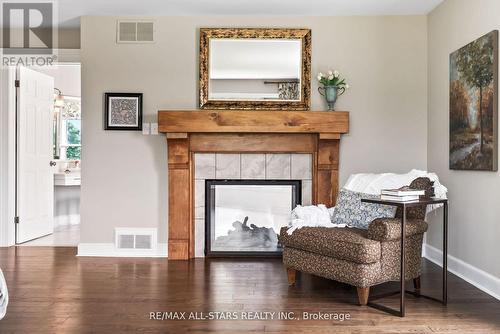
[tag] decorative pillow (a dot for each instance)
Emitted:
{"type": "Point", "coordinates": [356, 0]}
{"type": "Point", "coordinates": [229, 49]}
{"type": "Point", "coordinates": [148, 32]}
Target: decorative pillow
{"type": "Point", "coordinates": [352, 212]}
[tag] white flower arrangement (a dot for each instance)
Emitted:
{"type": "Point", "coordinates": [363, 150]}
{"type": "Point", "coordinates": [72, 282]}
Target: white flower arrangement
{"type": "Point", "coordinates": [332, 78]}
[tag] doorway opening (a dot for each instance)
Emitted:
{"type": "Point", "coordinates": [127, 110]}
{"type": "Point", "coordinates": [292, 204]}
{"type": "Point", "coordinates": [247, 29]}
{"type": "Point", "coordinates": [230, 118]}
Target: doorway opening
{"type": "Point", "coordinates": [48, 150]}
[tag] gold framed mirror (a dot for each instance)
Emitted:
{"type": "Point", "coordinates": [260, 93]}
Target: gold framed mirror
{"type": "Point", "coordinates": [255, 68]}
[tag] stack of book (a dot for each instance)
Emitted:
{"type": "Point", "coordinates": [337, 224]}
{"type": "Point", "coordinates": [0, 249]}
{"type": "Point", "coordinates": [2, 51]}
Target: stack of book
{"type": "Point", "coordinates": [403, 194]}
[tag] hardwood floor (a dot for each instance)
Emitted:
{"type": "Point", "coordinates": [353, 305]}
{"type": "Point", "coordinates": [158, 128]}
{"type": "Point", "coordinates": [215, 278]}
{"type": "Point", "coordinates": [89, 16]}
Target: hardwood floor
{"type": "Point", "coordinates": [53, 291]}
{"type": "Point", "coordinates": [67, 236]}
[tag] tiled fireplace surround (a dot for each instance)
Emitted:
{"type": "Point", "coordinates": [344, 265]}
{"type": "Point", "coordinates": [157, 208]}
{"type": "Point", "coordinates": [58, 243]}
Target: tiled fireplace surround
{"type": "Point", "coordinates": [246, 166]}
{"type": "Point", "coordinates": [244, 134]}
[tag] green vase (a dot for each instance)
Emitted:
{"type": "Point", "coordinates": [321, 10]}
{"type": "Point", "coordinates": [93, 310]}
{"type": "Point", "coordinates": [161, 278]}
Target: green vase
{"type": "Point", "coordinates": [331, 93]}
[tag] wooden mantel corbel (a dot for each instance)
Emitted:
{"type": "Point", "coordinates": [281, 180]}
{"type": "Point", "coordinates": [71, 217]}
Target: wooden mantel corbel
{"type": "Point", "coordinates": [243, 131]}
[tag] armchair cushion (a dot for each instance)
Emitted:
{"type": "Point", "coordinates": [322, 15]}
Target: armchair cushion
{"type": "Point", "coordinates": [349, 244]}
{"type": "Point", "coordinates": [386, 229]}
{"type": "Point", "coordinates": [354, 213]}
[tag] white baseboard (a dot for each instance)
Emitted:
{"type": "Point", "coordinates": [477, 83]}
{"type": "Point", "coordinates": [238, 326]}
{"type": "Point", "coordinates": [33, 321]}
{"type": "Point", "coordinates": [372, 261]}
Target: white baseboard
{"type": "Point", "coordinates": [109, 250]}
{"type": "Point", "coordinates": [475, 276]}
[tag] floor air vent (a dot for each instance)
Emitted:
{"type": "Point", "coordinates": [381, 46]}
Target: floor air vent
{"type": "Point", "coordinates": [135, 238]}
{"type": "Point", "coordinates": [135, 31]}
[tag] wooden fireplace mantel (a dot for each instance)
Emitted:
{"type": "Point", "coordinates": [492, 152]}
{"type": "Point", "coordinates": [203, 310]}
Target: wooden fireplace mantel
{"type": "Point", "coordinates": [243, 131]}
{"type": "Point", "coordinates": [253, 121]}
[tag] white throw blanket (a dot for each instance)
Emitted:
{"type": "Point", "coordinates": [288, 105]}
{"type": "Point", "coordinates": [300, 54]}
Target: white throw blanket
{"type": "Point", "coordinates": [4, 296]}
{"type": "Point", "coordinates": [364, 183]}
{"type": "Point", "coordinates": [374, 183]}
{"type": "Point", "coordinates": [311, 216]}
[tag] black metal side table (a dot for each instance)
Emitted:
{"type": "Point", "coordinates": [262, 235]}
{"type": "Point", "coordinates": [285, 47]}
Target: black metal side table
{"type": "Point", "coordinates": [402, 289]}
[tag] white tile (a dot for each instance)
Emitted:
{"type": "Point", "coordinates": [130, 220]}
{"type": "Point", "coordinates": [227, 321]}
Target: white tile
{"type": "Point", "coordinates": [199, 199]}
{"type": "Point", "coordinates": [253, 166]}
{"type": "Point", "coordinates": [306, 192]}
{"type": "Point", "coordinates": [199, 238]}
{"type": "Point", "coordinates": [301, 168]}
{"type": "Point", "coordinates": [227, 166]}
{"type": "Point", "coordinates": [204, 166]}
{"type": "Point", "coordinates": [277, 166]}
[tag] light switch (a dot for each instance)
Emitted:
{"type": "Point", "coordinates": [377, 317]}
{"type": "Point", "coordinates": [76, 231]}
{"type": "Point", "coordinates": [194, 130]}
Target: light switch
{"type": "Point", "coordinates": [146, 128]}
{"type": "Point", "coordinates": [154, 128]}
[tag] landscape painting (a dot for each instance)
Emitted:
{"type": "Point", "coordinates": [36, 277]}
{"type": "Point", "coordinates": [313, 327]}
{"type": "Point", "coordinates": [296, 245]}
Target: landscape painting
{"type": "Point", "coordinates": [474, 105]}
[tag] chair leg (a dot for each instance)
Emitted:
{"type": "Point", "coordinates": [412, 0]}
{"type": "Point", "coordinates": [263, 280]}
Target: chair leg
{"type": "Point", "coordinates": [416, 284]}
{"type": "Point", "coordinates": [292, 273]}
{"type": "Point", "coordinates": [363, 294]}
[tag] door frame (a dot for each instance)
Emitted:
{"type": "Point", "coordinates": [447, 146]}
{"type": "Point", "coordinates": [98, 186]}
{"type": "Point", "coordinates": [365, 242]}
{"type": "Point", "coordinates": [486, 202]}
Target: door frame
{"type": "Point", "coordinates": [8, 142]}
{"type": "Point", "coordinates": [7, 156]}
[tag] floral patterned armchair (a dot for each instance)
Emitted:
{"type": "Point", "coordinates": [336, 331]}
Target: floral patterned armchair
{"type": "Point", "coordinates": [359, 257]}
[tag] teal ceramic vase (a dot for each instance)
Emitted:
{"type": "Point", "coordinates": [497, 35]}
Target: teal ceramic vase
{"type": "Point", "coordinates": [331, 93]}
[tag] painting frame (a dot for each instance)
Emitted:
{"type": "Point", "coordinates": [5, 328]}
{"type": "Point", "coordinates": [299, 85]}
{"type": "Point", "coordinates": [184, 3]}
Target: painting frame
{"type": "Point", "coordinates": [136, 124]}
{"type": "Point", "coordinates": [473, 105]}
{"type": "Point", "coordinates": [207, 34]}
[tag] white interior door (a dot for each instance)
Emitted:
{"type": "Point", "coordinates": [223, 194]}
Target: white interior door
{"type": "Point", "coordinates": [35, 178]}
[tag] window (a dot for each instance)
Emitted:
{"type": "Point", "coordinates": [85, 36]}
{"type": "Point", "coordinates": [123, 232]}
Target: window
{"type": "Point", "coordinates": [73, 143]}
{"type": "Point", "coordinates": [68, 130]}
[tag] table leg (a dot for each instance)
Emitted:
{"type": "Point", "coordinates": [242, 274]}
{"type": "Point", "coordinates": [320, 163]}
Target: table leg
{"type": "Point", "coordinates": [445, 253]}
{"type": "Point", "coordinates": [403, 265]}
{"type": "Point", "coordinates": [402, 289]}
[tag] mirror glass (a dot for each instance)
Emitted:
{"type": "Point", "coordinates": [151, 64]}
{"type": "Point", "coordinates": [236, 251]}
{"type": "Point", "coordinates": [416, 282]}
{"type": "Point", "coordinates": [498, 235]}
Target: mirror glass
{"type": "Point", "coordinates": [254, 69]}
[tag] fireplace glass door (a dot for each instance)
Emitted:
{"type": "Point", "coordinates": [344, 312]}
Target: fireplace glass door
{"type": "Point", "coordinates": [244, 217]}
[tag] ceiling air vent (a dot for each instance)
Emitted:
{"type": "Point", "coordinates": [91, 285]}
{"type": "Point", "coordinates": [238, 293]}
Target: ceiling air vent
{"type": "Point", "coordinates": [135, 238]}
{"type": "Point", "coordinates": [135, 31]}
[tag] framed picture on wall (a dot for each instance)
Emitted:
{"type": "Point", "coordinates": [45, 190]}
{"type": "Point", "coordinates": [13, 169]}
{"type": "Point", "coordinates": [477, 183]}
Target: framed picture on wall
{"type": "Point", "coordinates": [474, 105]}
{"type": "Point", "coordinates": [123, 111]}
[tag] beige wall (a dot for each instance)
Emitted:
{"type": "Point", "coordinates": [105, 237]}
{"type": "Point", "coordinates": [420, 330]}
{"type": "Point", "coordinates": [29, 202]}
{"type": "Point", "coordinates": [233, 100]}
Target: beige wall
{"type": "Point", "coordinates": [124, 173]}
{"type": "Point", "coordinates": [474, 234]}
{"type": "Point", "coordinates": [68, 38]}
